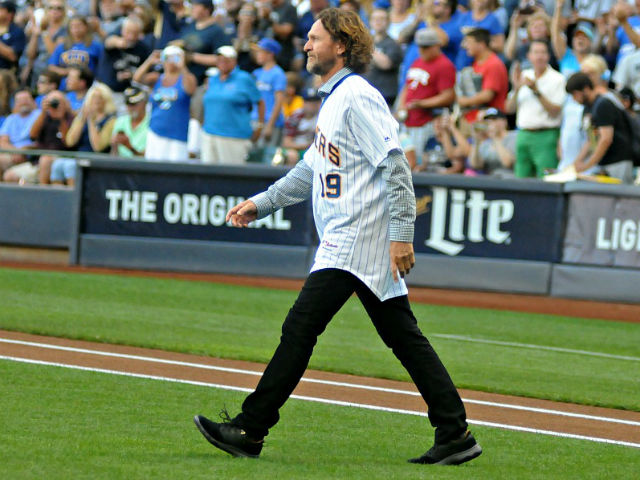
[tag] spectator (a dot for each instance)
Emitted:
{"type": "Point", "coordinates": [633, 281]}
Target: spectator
{"type": "Point", "coordinates": [628, 99]}
{"type": "Point", "coordinates": [271, 81]}
{"type": "Point", "coordinates": [47, 132]}
{"type": "Point", "coordinates": [277, 19]}
{"type": "Point", "coordinates": [227, 131]}
{"type": "Point", "coordinates": [173, 15]}
{"type": "Point", "coordinates": [494, 153]}
{"type": "Point", "coordinates": [581, 42]}
{"type": "Point", "coordinates": [45, 37]}
{"type": "Point", "coordinates": [79, 49]}
{"type": "Point", "coordinates": [400, 17]}
{"type": "Point", "coordinates": [13, 39]}
{"type": "Point", "coordinates": [14, 132]}
{"type": "Point", "coordinates": [46, 82]}
{"type": "Point", "coordinates": [537, 99]}
{"type": "Point", "coordinates": [123, 54]}
{"type": "Point", "coordinates": [90, 131]}
{"type": "Point", "coordinates": [292, 100]}
{"type": "Point", "coordinates": [170, 102]}
{"type": "Point", "coordinates": [8, 85]}
{"type": "Point", "coordinates": [450, 154]}
{"type": "Point", "coordinates": [129, 138]}
{"type": "Point", "coordinates": [480, 17]}
{"type": "Point", "coordinates": [79, 80]}
{"type": "Point", "coordinates": [247, 35]}
{"type": "Point", "coordinates": [145, 13]}
{"type": "Point", "coordinates": [429, 87]}
{"type": "Point", "coordinates": [201, 38]}
{"type": "Point", "coordinates": [537, 28]}
{"type": "Point", "coordinates": [606, 121]}
{"type": "Point", "coordinates": [626, 38]}
{"type": "Point", "coordinates": [300, 128]}
{"type": "Point", "coordinates": [627, 73]}
{"type": "Point", "coordinates": [492, 74]}
{"type": "Point", "coordinates": [386, 59]}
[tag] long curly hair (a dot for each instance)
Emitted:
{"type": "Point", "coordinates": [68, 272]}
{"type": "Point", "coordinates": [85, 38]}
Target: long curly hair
{"type": "Point", "coordinates": [347, 28]}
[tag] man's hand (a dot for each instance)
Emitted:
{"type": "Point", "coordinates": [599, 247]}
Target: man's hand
{"type": "Point", "coordinates": [242, 214]}
{"type": "Point", "coordinates": [402, 259]}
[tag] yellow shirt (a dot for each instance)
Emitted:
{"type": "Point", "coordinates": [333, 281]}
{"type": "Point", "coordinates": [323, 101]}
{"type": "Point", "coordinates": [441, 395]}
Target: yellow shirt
{"type": "Point", "coordinates": [296, 104]}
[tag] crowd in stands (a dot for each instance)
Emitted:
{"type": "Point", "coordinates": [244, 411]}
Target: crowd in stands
{"type": "Point", "coordinates": [506, 88]}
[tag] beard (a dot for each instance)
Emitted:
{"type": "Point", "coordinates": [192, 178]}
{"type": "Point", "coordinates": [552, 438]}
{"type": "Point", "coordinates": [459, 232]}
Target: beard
{"type": "Point", "coordinates": [320, 67]}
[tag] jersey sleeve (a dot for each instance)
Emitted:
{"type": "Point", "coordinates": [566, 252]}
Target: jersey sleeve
{"type": "Point", "coordinates": [370, 121]}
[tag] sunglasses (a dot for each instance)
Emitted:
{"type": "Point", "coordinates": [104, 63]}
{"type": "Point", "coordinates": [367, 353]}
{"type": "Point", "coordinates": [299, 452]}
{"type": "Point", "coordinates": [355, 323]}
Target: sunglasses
{"type": "Point", "coordinates": [56, 7]}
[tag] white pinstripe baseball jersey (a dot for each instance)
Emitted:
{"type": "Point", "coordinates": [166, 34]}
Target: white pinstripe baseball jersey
{"type": "Point", "coordinates": [354, 135]}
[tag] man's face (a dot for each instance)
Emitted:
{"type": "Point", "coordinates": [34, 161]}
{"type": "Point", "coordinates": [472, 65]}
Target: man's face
{"type": "Point", "coordinates": [427, 53]}
{"type": "Point", "coordinates": [322, 52]}
{"type": "Point", "coordinates": [379, 21]}
{"type": "Point", "coordinates": [131, 33]}
{"type": "Point", "coordinates": [538, 55]}
{"type": "Point", "coordinates": [470, 45]}
{"type": "Point", "coordinates": [45, 86]}
{"type": "Point", "coordinates": [23, 103]}
{"type": "Point", "coordinates": [136, 110]}
{"type": "Point", "coordinates": [73, 80]}
{"type": "Point", "coordinates": [581, 43]}
{"type": "Point", "coordinates": [580, 97]}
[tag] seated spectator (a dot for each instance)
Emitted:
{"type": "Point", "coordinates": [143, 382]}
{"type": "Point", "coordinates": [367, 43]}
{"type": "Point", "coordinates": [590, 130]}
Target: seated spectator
{"type": "Point", "coordinates": [90, 131]}
{"type": "Point", "coordinates": [494, 150]}
{"type": "Point", "coordinates": [8, 86]}
{"type": "Point", "coordinates": [79, 49]}
{"type": "Point", "coordinates": [450, 153]}
{"type": "Point", "coordinates": [13, 38]}
{"type": "Point", "coordinates": [129, 138]}
{"type": "Point", "coordinates": [170, 105]}
{"type": "Point", "coordinates": [627, 73]}
{"type": "Point", "coordinates": [14, 132]}
{"type": "Point", "coordinates": [48, 133]}
{"type": "Point", "coordinates": [292, 101]}
{"type": "Point", "coordinates": [227, 131]}
{"type": "Point", "coordinates": [47, 82]}
{"type": "Point", "coordinates": [300, 128]}
{"type": "Point", "coordinates": [45, 37]}
{"type": "Point", "coordinates": [79, 80]}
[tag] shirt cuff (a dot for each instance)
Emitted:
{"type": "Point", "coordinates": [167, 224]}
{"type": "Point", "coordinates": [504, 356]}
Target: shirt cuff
{"type": "Point", "coordinates": [401, 233]}
{"type": "Point", "coordinates": [263, 205]}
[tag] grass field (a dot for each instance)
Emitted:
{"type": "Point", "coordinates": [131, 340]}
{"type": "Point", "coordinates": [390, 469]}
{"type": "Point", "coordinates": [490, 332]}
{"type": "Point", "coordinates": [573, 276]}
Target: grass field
{"type": "Point", "coordinates": [59, 423]}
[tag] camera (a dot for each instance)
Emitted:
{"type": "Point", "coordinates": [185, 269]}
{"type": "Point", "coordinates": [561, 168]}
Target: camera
{"type": "Point", "coordinates": [54, 103]}
{"type": "Point", "coordinates": [527, 7]}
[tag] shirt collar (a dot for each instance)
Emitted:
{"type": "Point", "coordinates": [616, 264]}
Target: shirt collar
{"type": "Point", "coordinates": [325, 89]}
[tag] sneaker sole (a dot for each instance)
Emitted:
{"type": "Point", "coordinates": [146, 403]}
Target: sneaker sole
{"type": "Point", "coordinates": [461, 457]}
{"type": "Point", "coordinates": [230, 449]}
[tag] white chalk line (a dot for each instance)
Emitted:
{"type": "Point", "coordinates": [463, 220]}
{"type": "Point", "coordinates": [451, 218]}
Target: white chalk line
{"type": "Point", "coordinates": [313, 380]}
{"type": "Point", "coordinates": [588, 353]}
{"type": "Point", "coordinates": [324, 401]}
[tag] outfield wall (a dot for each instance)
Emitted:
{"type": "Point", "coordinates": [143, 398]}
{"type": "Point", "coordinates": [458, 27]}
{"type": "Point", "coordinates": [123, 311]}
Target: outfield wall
{"type": "Point", "coordinates": [576, 240]}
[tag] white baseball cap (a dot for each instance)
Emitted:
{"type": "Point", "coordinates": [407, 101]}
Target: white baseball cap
{"type": "Point", "coordinates": [227, 51]}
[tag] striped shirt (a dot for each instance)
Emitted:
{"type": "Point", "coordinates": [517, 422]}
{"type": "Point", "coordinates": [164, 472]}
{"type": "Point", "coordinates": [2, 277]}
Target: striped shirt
{"type": "Point", "coordinates": [360, 183]}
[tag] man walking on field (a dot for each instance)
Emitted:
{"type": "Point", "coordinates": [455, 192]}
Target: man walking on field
{"type": "Point", "coordinates": [364, 210]}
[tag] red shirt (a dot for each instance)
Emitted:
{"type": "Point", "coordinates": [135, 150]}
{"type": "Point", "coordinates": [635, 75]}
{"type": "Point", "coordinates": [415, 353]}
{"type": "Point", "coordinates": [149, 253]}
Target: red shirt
{"type": "Point", "coordinates": [426, 80]}
{"type": "Point", "coordinates": [494, 77]}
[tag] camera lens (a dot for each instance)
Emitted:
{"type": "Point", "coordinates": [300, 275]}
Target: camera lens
{"type": "Point", "coordinates": [55, 103]}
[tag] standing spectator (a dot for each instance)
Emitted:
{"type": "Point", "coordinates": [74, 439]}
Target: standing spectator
{"type": "Point", "coordinates": [79, 80]}
{"type": "Point", "coordinates": [90, 131]}
{"type": "Point", "coordinates": [278, 20]}
{"type": "Point", "coordinates": [227, 131]}
{"type": "Point", "coordinates": [47, 132]}
{"type": "Point", "coordinates": [201, 38]}
{"type": "Point", "coordinates": [307, 19]}
{"type": "Point", "coordinates": [14, 132]}
{"type": "Point", "coordinates": [123, 54]}
{"type": "Point", "coordinates": [581, 42]}
{"type": "Point", "coordinates": [496, 153]}
{"type": "Point", "coordinates": [13, 39]}
{"type": "Point", "coordinates": [170, 20]}
{"type": "Point", "coordinates": [129, 138]}
{"type": "Point", "coordinates": [400, 17]}
{"type": "Point", "coordinates": [271, 81]}
{"type": "Point", "coordinates": [429, 87]}
{"type": "Point", "coordinates": [247, 35]}
{"type": "Point", "coordinates": [626, 38]}
{"type": "Point", "coordinates": [627, 73]}
{"type": "Point", "coordinates": [607, 122]}
{"type": "Point", "coordinates": [386, 58]}
{"type": "Point", "coordinates": [494, 79]}
{"type": "Point", "coordinates": [45, 37]}
{"type": "Point", "coordinates": [170, 103]}
{"type": "Point", "coordinates": [537, 28]}
{"type": "Point", "coordinates": [79, 49]}
{"type": "Point", "coordinates": [480, 17]}
{"type": "Point", "coordinates": [537, 98]}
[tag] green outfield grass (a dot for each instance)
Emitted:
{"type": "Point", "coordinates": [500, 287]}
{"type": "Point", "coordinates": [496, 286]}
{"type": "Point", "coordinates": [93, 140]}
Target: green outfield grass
{"type": "Point", "coordinates": [244, 323]}
{"type": "Point", "coordinates": [60, 424]}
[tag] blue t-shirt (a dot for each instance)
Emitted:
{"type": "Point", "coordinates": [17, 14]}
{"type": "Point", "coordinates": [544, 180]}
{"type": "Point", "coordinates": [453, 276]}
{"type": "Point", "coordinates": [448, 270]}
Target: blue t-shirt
{"type": "Point", "coordinates": [228, 105]}
{"type": "Point", "coordinates": [74, 101]}
{"type": "Point", "coordinates": [170, 110]}
{"type": "Point", "coordinates": [569, 64]}
{"type": "Point", "coordinates": [78, 55]}
{"type": "Point", "coordinates": [17, 128]}
{"type": "Point", "coordinates": [15, 38]}
{"type": "Point", "coordinates": [269, 82]}
{"type": "Point", "coordinates": [490, 22]}
{"type": "Point", "coordinates": [626, 46]}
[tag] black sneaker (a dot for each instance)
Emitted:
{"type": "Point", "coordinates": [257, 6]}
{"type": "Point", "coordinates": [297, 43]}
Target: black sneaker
{"type": "Point", "coordinates": [229, 437]}
{"type": "Point", "coordinates": [455, 452]}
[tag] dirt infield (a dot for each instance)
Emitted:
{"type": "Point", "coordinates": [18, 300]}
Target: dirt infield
{"type": "Point", "coordinates": [501, 411]}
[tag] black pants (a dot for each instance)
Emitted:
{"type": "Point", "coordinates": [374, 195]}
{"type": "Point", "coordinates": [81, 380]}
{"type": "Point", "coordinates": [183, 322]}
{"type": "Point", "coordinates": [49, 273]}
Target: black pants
{"type": "Point", "coordinates": [323, 294]}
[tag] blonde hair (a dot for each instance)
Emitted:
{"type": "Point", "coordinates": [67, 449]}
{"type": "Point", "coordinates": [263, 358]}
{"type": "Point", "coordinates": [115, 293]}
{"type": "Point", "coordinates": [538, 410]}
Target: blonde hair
{"type": "Point", "coordinates": [106, 94]}
{"type": "Point", "coordinates": [539, 15]}
{"type": "Point", "coordinates": [595, 63]}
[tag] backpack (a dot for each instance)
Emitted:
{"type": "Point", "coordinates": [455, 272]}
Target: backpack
{"type": "Point", "coordinates": [633, 128]}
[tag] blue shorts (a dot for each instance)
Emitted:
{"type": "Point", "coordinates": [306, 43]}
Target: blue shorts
{"type": "Point", "coordinates": [63, 169]}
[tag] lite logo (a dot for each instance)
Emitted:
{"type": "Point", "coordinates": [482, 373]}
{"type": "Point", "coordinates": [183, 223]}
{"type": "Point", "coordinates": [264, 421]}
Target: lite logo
{"type": "Point", "coordinates": [484, 219]}
{"type": "Point", "coordinates": [619, 234]}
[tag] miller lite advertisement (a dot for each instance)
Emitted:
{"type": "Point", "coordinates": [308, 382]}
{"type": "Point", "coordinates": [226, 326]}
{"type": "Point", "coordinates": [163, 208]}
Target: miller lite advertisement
{"type": "Point", "coordinates": [478, 222]}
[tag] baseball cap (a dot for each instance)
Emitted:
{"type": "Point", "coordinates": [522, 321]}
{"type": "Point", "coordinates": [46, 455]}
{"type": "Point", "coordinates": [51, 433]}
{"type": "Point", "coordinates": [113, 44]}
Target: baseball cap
{"type": "Point", "coordinates": [134, 95]}
{"type": "Point", "coordinates": [493, 113]}
{"type": "Point", "coordinates": [585, 28]}
{"type": "Point", "coordinates": [270, 45]}
{"type": "Point", "coordinates": [227, 51]}
{"type": "Point", "coordinates": [8, 5]}
{"type": "Point", "coordinates": [426, 37]}
{"type": "Point", "coordinates": [206, 3]}
{"type": "Point", "coordinates": [170, 51]}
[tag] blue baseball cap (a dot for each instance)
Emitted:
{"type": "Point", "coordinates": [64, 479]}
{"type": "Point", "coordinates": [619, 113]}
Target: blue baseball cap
{"type": "Point", "coordinates": [270, 45]}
